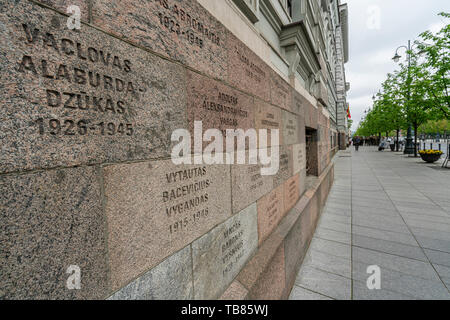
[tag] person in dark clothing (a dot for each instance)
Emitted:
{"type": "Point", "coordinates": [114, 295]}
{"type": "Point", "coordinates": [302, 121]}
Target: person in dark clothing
{"type": "Point", "coordinates": [356, 143]}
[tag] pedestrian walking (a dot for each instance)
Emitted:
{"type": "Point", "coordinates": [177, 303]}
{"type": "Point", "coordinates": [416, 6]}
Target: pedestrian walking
{"type": "Point", "coordinates": [356, 143]}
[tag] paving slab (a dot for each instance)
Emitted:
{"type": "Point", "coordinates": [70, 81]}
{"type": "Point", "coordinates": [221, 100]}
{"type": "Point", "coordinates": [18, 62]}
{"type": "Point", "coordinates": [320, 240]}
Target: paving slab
{"type": "Point", "coordinates": [299, 293]}
{"type": "Point", "coordinates": [379, 213]}
{"type": "Point", "coordinates": [328, 262]}
{"type": "Point", "coordinates": [331, 285]}
{"type": "Point", "coordinates": [395, 248]}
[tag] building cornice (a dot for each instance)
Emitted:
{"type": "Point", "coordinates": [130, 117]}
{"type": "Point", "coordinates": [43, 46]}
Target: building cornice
{"type": "Point", "coordinates": [343, 17]}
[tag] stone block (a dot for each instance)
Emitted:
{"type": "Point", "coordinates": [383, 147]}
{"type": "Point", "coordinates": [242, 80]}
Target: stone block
{"type": "Point", "coordinates": [62, 6]}
{"type": "Point", "coordinates": [311, 116]}
{"type": "Point", "coordinates": [156, 208]}
{"type": "Point", "coordinates": [291, 192]}
{"type": "Point", "coordinates": [74, 97]}
{"type": "Point", "coordinates": [291, 128]}
{"type": "Point", "coordinates": [285, 166]}
{"type": "Point", "coordinates": [280, 91]}
{"type": "Point", "coordinates": [180, 29]}
{"type": "Point", "coordinates": [246, 70]}
{"type": "Point", "coordinates": [219, 255]}
{"type": "Point", "coordinates": [170, 280]}
{"type": "Point", "coordinates": [270, 212]}
{"type": "Point", "coordinates": [296, 244]}
{"type": "Point", "coordinates": [299, 103]}
{"type": "Point", "coordinates": [236, 291]}
{"type": "Point", "coordinates": [218, 106]}
{"type": "Point", "coordinates": [271, 284]}
{"type": "Point", "coordinates": [50, 221]}
{"type": "Point", "coordinates": [299, 157]}
{"type": "Point", "coordinates": [248, 185]}
{"type": "Point", "coordinates": [268, 117]}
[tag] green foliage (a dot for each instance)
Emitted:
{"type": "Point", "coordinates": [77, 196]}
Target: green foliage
{"type": "Point", "coordinates": [433, 127]}
{"type": "Point", "coordinates": [349, 124]}
{"type": "Point", "coordinates": [417, 92]}
{"type": "Point", "coordinates": [436, 69]}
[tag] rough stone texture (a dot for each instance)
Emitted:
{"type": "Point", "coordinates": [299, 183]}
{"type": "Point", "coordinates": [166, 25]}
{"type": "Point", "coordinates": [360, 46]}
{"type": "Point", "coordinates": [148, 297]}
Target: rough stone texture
{"type": "Point", "coordinates": [219, 255]}
{"type": "Point", "coordinates": [50, 221]}
{"type": "Point", "coordinates": [268, 117]}
{"type": "Point", "coordinates": [324, 189]}
{"type": "Point", "coordinates": [291, 128]}
{"type": "Point", "coordinates": [312, 163]}
{"type": "Point", "coordinates": [180, 29]}
{"type": "Point", "coordinates": [302, 181]}
{"type": "Point", "coordinates": [294, 232]}
{"type": "Point", "coordinates": [54, 218]}
{"type": "Point", "coordinates": [139, 100]}
{"type": "Point", "coordinates": [280, 91]}
{"type": "Point", "coordinates": [299, 103]}
{"type": "Point", "coordinates": [299, 157]}
{"type": "Point", "coordinates": [286, 167]}
{"type": "Point", "coordinates": [156, 208]}
{"type": "Point", "coordinates": [314, 210]}
{"type": "Point", "coordinates": [291, 192]}
{"type": "Point", "coordinates": [218, 106]}
{"type": "Point", "coordinates": [311, 116]}
{"type": "Point", "coordinates": [324, 147]}
{"type": "Point", "coordinates": [170, 280]}
{"type": "Point", "coordinates": [248, 185]}
{"type": "Point", "coordinates": [271, 285]}
{"type": "Point", "coordinates": [254, 269]}
{"type": "Point", "coordinates": [301, 129]}
{"type": "Point", "coordinates": [62, 6]}
{"type": "Point", "coordinates": [236, 291]}
{"type": "Point", "coordinates": [296, 245]}
{"type": "Point", "coordinates": [246, 70]}
{"type": "Point", "coordinates": [270, 212]}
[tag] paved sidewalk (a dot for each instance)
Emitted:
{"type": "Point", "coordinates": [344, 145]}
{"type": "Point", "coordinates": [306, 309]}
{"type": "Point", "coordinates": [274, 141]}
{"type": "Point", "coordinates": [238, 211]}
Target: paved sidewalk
{"type": "Point", "coordinates": [387, 210]}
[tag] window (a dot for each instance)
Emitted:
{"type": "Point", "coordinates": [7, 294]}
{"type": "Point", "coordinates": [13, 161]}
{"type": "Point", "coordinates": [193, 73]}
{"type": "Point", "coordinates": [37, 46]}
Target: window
{"type": "Point", "coordinates": [289, 7]}
{"type": "Point", "coordinates": [250, 8]}
{"type": "Point", "coordinates": [312, 149]}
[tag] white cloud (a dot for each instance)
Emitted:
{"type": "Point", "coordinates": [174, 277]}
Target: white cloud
{"type": "Point", "coordinates": [436, 27]}
{"type": "Point", "coordinates": [371, 50]}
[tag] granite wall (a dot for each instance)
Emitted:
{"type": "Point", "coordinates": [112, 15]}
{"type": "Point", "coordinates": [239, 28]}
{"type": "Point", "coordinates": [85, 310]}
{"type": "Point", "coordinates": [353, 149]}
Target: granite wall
{"type": "Point", "coordinates": [85, 172]}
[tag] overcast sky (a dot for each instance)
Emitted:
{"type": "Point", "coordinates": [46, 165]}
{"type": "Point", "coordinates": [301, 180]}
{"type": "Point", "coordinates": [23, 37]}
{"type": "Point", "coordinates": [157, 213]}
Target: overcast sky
{"type": "Point", "coordinates": [373, 42]}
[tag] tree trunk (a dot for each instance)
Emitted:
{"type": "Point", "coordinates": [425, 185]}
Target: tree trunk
{"type": "Point", "coordinates": [398, 136]}
{"type": "Point", "coordinates": [415, 139]}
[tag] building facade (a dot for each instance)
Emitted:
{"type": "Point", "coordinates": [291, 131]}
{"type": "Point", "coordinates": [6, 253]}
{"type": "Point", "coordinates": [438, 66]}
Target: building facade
{"type": "Point", "coordinates": [93, 205]}
{"type": "Point", "coordinates": [306, 41]}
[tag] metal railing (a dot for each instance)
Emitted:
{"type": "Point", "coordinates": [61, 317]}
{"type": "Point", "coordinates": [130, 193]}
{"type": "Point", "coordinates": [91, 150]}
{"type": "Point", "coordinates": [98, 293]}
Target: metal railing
{"type": "Point", "coordinates": [438, 144]}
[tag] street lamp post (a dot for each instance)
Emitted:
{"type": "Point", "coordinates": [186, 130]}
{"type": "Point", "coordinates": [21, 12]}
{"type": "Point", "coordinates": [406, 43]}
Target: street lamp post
{"type": "Point", "coordinates": [410, 148]}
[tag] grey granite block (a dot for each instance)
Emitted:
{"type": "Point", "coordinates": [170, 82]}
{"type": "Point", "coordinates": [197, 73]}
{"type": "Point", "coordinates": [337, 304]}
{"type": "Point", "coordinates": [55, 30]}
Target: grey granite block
{"type": "Point", "coordinates": [219, 255]}
{"type": "Point", "coordinates": [170, 280]}
{"type": "Point", "coordinates": [50, 221]}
